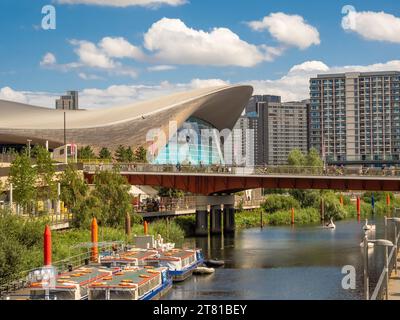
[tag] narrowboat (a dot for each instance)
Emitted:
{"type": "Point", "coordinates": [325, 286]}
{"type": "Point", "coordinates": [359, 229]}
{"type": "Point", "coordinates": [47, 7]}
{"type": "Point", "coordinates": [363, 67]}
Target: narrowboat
{"type": "Point", "coordinates": [132, 283]}
{"type": "Point", "coordinates": [180, 262]}
{"type": "Point", "coordinates": [70, 285]}
{"type": "Point", "coordinates": [131, 258]}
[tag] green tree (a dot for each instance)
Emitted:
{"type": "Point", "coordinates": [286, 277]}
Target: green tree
{"type": "Point", "coordinates": [313, 159]}
{"type": "Point", "coordinates": [23, 177]}
{"type": "Point", "coordinates": [112, 190]}
{"type": "Point", "coordinates": [86, 153]}
{"type": "Point", "coordinates": [276, 202]}
{"type": "Point", "coordinates": [20, 245]}
{"type": "Point", "coordinates": [47, 186]}
{"type": "Point", "coordinates": [105, 154]}
{"type": "Point", "coordinates": [140, 154]}
{"type": "Point", "coordinates": [120, 154]}
{"type": "Point", "coordinates": [333, 208]}
{"type": "Point", "coordinates": [129, 155]}
{"type": "Point", "coordinates": [296, 158]}
{"type": "Point", "coordinates": [85, 210]}
{"type": "Point", "coordinates": [307, 198]}
{"type": "Point", "coordinates": [73, 187]}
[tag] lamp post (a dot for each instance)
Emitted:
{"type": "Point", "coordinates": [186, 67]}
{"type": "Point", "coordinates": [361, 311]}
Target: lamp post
{"type": "Point", "coordinates": [377, 242]}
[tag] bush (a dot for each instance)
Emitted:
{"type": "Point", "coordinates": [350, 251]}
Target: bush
{"type": "Point", "coordinates": [333, 208]}
{"type": "Point", "coordinates": [20, 243]}
{"type": "Point", "coordinates": [278, 202]}
{"type": "Point", "coordinates": [301, 216]}
{"type": "Point", "coordinates": [187, 224]}
{"type": "Point", "coordinates": [249, 219]}
{"type": "Point", "coordinates": [307, 198]}
{"type": "Point", "coordinates": [169, 230]}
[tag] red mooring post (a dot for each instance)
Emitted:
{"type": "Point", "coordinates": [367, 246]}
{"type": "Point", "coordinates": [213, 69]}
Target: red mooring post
{"type": "Point", "coordinates": [47, 246]}
{"type": "Point", "coordinates": [95, 238]}
{"type": "Point", "coordinates": [145, 227]}
{"type": "Point", "coordinates": [341, 200]}
{"type": "Point", "coordinates": [358, 208]}
{"type": "Point", "coordinates": [388, 200]}
{"type": "Point", "coordinates": [292, 216]}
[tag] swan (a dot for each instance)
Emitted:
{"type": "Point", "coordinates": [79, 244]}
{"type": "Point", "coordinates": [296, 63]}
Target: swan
{"type": "Point", "coordinates": [368, 227]}
{"type": "Point", "coordinates": [331, 225]}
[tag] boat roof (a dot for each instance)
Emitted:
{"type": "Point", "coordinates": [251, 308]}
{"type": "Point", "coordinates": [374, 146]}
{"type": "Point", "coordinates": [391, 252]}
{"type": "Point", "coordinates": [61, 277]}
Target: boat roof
{"type": "Point", "coordinates": [81, 276]}
{"type": "Point", "coordinates": [176, 254]}
{"type": "Point", "coordinates": [127, 278]}
{"type": "Point", "coordinates": [129, 256]}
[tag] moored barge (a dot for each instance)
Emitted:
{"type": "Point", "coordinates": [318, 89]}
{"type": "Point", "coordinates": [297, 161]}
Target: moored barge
{"type": "Point", "coordinates": [70, 285]}
{"type": "Point", "coordinates": [132, 283]}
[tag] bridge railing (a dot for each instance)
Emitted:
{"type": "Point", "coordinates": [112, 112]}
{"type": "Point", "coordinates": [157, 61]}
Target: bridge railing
{"type": "Point", "coordinates": [240, 170]}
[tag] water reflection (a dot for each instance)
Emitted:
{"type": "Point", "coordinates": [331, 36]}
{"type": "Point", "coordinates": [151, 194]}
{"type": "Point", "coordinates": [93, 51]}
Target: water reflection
{"type": "Point", "coordinates": [283, 263]}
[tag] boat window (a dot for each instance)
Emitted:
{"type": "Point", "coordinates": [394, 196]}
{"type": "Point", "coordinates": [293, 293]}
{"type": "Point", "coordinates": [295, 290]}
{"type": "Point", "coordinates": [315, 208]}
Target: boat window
{"type": "Point", "coordinates": [122, 295]}
{"type": "Point", "coordinates": [97, 295]}
{"type": "Point", "coordinates": [62, 294]}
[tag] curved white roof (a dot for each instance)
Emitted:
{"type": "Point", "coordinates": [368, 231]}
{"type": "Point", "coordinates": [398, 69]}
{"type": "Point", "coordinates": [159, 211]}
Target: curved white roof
{"type": "Point", "coordinates": [220, 106]}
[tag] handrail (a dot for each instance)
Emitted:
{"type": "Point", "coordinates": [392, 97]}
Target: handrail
{"type": "Point", "coordinates": [382, 277]}
{"type": "Point", "coordinates": [241, 170]}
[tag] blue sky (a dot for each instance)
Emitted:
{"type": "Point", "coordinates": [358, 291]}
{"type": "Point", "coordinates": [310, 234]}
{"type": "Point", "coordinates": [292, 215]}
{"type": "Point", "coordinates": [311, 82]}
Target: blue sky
{"type": "Point", "coordinates": [23, 46]}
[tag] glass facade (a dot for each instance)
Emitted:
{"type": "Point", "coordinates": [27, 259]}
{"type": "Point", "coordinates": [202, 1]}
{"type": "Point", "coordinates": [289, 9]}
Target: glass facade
{"type": "Point", "coordinates": [196, 142]}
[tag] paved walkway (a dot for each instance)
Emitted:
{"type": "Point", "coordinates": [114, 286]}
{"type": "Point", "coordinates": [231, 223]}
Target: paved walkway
{"type": "Point", "coordinates": [394, 284]}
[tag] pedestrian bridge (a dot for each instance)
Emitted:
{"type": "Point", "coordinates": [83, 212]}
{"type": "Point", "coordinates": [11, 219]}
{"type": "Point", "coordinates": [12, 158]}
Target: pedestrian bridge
{"type": "Point", "coordinates": [209, 180]}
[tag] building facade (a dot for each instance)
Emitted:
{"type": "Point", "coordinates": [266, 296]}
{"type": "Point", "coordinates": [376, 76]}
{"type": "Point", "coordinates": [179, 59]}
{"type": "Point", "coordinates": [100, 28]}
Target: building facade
{"type": "Point", "coordinates": [281, 127]}
{"type": "Point", "coordinates": [245, 137]}
{"type": "Point", "coordinates": [68, 101]}
{"type": "Point", "coordinates": [355, 117]}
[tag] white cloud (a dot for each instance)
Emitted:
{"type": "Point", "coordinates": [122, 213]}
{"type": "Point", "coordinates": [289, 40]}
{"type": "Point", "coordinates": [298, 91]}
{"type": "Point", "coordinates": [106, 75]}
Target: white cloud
{"type": "Point", "coordinates": [90, 55]}
{"type": "Point", "coordinates": [371, 25]}
{"type": "Point", "coordinates": [48, 59]}
{"type": "Point", "coordinates": [6, 93]}
{"type": "Point", "coordinates": [86, 76]}
{"type": "Point", "coordinates": [172, 41]}
{"type": "Point", "coordinates": [205, 83]}
{"type": "Point", "coordinates": [271, 53]}
{"type": "Point", "coordinates": [125, 3]}
{"type": "Point", "coordinates": [291, 30]}
{"type": "Point", "coordinates": [97, 57]}
{"type": "Point", "coordinates": [160, 68]}
{"type": "Point", "coordinates": [120, 48]}
{"type": "Point", "coordinates": [310, 66]}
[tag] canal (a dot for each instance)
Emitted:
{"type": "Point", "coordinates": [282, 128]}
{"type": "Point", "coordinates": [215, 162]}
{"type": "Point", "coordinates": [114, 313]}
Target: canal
{"type": "Point", "coordinates": [284, 263]}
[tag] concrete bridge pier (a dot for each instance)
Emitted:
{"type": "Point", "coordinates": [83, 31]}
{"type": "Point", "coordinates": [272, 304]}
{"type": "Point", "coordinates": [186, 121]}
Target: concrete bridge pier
{"type": "Point", "coordinates": [220, 220]}
{"type": "Point", "coordinates": [229, 218]}
{"type": "Point", "coordinates": [215, 219]}
{"type": "Point", "coordinates": [201, 220]}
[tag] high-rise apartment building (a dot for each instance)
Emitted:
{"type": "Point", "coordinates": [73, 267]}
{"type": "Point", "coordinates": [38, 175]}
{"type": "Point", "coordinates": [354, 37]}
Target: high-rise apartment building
{"type": "Point", "coordinates": [355, 117]}
{"type": "Point", "coordinates": [245, 140]}
{"type": "Point", "coordinates": [281, 127]}
{"type": "Point", "coordinates": [68, 101]}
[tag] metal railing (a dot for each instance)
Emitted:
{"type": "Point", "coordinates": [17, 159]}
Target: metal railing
{"type": "Point", "coordinates": [381, 289]}
{"type": "Point", "coordinates": [237, 170]}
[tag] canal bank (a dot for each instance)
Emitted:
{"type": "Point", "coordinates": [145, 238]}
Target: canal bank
{"type": "Point", "coordinates": [300, 262]}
